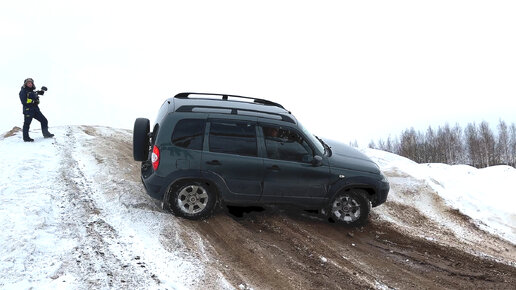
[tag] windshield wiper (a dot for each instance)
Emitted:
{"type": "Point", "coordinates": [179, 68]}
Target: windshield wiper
{"type": "Point", "coordinates": [326, 147]}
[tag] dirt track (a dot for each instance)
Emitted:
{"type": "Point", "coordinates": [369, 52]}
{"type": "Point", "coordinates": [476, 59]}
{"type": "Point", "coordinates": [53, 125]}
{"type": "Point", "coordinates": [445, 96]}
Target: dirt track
{"type": "Point", "coordinates": [278, 249]}
{"type": "Point", "coordinates": [282, 249]}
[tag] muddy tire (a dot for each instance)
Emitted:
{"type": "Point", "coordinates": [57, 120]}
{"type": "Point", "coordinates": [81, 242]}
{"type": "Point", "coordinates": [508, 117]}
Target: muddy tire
{"type": "Point", "coordinates": [350, 207]}
{"type": "Point", "coordinates": [192, 200]}
{"type": "Point", "coordinates": [141, 139]}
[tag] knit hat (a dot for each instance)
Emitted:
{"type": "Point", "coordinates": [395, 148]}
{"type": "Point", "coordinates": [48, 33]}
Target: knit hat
{"type": "Point", "coordinates": [28, 80]}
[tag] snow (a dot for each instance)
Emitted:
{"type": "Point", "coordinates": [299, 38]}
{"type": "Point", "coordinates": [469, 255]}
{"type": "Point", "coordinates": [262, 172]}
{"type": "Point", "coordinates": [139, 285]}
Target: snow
{"type": "Point", "coordinates": [31, 243]}
{"type": "Point", "coordinates": [487, 196]}
{"type": "Point", "coordinates": [61, 217]}
{"type": "Point", "coordinates": [70, 221]}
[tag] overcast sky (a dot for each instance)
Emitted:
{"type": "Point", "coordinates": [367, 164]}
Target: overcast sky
{"type": "Point", "coordinates": [349, 70]}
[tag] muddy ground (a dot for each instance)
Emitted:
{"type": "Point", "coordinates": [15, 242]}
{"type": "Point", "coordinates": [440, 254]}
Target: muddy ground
{"type": "Point", "coordinates": [280, 248]}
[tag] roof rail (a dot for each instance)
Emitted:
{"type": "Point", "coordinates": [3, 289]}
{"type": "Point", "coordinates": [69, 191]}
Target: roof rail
{"type": "Point", "coordinates": [235, 111]}
{"type": "Point", "coordinates": [225, 98]}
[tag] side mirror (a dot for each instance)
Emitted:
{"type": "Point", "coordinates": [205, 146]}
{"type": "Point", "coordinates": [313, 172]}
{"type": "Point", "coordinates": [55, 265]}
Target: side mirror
{"type": "Point", "coordinates": [317, 161]}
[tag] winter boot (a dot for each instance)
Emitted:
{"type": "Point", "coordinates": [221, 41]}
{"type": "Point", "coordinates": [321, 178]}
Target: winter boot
{"type": "Point", "coordinates": [47, 134]}
{"type": "Point", "coordinates": [26, 137]}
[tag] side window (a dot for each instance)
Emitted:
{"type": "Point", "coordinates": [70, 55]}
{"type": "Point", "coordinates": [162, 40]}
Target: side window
{"type": "Point", "coordinates": [233, 138]}
{"type": "Point", "coordinates": [189, 134]}
{"type": "Point", "coordinates": [285, 144]}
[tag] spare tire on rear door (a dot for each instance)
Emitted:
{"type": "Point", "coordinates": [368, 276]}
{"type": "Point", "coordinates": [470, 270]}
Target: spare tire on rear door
{"type": "Point", "coordinates": [141, 139]}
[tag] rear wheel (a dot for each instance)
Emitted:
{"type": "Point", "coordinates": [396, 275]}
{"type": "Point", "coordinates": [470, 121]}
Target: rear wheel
{"type": "Point", "coordinates": [351, 207]}
{"type": "Point", "coordinates": [192, 200]}
{"type": "Point", "coordinates": [141, 139]}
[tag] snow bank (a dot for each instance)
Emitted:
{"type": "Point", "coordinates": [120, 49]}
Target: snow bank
{"type": "Point", "coordinates": [487, 195]}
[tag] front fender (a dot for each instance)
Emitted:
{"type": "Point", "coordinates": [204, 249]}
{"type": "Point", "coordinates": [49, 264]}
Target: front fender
{"type": "Point", "coordinates": [363, 182]}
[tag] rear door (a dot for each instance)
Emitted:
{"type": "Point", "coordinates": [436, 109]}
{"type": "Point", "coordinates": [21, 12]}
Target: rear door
{"type": "Point", "coordinates": [233, 155]}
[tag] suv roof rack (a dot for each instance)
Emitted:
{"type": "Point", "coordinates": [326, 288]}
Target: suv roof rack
{"type": "Point", "coordinates": [235, 111]}
{"type": "Point", "coordinates": [225, 98]}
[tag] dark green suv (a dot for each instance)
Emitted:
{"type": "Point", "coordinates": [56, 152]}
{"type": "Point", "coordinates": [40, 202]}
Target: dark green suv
{"type": "Point", "coordinates": [210, 149]}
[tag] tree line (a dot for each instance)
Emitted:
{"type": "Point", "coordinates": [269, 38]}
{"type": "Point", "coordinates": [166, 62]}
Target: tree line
{"type": "Point", "coordinates": [476, 145]}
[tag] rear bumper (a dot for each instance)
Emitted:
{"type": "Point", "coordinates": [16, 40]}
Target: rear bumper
{"type": "Point", "coordinates": [154, 185]}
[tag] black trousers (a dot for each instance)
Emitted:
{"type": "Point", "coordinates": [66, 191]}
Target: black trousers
{"type": "Point", "coordinates": [28, 119]}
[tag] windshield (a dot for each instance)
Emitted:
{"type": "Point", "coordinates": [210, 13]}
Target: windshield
{"type": "Point", "coordinates": [313, 140]}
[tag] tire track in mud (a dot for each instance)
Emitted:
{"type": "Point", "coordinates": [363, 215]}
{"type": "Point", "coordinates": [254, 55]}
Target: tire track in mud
{"type": "Point", "coordinates": [275, 249]}
{"type": "Point", "coordinates": [112, 150]}
{"type": "Point", "coordinates": [284, 249]}
{"type": "Point", "coordinates": [97, 259]}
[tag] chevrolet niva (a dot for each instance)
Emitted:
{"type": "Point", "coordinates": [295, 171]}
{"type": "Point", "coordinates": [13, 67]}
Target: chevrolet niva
{"type": "Point", "coordinates": [210, 149]}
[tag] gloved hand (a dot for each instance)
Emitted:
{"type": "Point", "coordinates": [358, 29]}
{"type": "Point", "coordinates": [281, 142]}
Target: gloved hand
{"type": "Point", "coordinates": [41, 93]}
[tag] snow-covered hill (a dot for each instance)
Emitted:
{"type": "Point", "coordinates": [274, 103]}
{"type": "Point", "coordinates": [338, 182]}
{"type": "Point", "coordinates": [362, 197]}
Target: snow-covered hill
{"type": "Point", "coordinates": [70, 219]}
{"type": "Point", "coordinates": [486, 197]}
{"type": "Point", "coordinates": [73, 214]}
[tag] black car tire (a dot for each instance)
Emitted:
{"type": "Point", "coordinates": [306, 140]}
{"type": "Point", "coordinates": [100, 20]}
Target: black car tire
{"type": "Point", "coordinates": [190, 199]}
{"type": "Point", "coordinates": [141, 139]}
{"type": "Point", "coordinates": [350, 207]}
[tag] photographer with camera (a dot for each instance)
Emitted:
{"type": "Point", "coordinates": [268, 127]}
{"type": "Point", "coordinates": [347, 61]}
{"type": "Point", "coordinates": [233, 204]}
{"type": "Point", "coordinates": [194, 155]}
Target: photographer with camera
{"type": "Point", "coordinates": [30, 101]}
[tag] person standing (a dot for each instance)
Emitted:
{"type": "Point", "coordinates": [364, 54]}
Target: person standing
{"type": "Point", "coordinates": [30, 101]}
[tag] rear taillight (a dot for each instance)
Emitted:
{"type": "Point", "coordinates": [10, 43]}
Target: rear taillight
{"type": "Point", "coordinates": [155, 157]}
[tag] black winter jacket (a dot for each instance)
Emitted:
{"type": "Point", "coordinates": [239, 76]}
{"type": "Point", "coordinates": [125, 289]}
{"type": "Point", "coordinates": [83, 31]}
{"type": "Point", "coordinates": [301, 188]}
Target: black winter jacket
{"type": "Point", "coordinates": [30, 100]}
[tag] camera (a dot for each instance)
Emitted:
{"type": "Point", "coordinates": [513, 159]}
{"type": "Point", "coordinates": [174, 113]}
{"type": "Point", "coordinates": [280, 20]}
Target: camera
{"type": "Point", "coordinates": [42, 91]}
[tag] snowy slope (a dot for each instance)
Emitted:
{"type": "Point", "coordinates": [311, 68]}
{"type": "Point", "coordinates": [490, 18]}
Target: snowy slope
{"type": "Point", "coordinates": [70, 221]}
{"type": "Point", "coordinates": [75, 215]}
{"type": "Point", "coordinates": [487, 196]}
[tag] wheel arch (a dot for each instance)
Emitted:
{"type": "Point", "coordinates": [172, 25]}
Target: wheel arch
{"type": "Point", "coordinates": [362, 183]}
{"type": "Point", "coordinates": [185, 179]}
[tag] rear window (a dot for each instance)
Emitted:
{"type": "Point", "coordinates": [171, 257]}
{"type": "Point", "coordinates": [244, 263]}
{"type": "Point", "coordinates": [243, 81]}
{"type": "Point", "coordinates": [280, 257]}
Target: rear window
{"type": "Point", "coordinates": [233, 138]}
{"type": "Point", "coordinates": [189, 134]}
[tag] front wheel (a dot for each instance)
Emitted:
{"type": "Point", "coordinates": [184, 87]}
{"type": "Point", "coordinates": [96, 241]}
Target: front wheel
{"type": "Point", "coordinates": [191, 200]}
{"type": "Point", "coordinates": [351, 207]}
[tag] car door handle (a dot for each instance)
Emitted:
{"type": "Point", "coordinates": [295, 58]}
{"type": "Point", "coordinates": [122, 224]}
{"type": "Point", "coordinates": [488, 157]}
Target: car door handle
{"type": "Point", "coordinates": [214, 162]}
{"type": "Point", "coordinates": [274, 168]}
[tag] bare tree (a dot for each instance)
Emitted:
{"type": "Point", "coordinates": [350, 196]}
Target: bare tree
{"type": "Point", "coordinates": [372, 145]}
{"type": "Point", "coordinates": [457, 145]}
{"type": "Point", "coordinates": [473, 144]}
{"type": "Point", "coordinates": [389, 146]}
{"type": "Point", "coordinates": [431, 146]}
{"type": "Point", "coordinates": [512, 146]}
{"type": "Point", "coordinates": [503, 144]}
{"type": "Point", "coordinates": [476, 145]}
{"type": "Point", "coordinates": [487, 145]}
{"type": "Point", "coordinates": [381, 145]}
{"type": "Point", "coordinates": [442, 144]}
{"type": "Point", "coordinates": [408, 144]}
